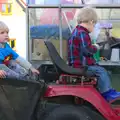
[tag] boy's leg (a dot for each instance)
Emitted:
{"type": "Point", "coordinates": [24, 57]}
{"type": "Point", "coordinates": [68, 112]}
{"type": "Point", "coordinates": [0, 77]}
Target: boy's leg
{"type": "Point", "coordinates": [17, 68]}
{"type": "Point", "coordinates": [10, 73]}
{"type": "Point", "coordinates": [23, 73]}
{"type": "Point", "coordinates": [104, 84]}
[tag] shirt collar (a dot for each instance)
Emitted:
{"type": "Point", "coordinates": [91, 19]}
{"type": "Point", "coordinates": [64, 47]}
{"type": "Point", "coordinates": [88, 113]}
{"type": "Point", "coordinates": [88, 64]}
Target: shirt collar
{"type": "Point", "coordinates": [82, 28]}
{"type": "Point", "coordinates": [2, 44]}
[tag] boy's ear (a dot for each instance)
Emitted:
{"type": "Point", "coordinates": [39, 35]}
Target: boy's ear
{"type": "Point", "coordinates": [91, 21]}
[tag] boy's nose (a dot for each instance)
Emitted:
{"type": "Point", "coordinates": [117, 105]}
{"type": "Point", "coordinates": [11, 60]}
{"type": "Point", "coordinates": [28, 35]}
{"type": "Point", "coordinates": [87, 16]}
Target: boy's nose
{"type": "Point", "coordinates": [6, 35]}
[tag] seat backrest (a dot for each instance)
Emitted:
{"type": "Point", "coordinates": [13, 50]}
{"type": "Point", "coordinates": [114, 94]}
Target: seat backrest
{"type": "Point", "coordinates": [57, 60]}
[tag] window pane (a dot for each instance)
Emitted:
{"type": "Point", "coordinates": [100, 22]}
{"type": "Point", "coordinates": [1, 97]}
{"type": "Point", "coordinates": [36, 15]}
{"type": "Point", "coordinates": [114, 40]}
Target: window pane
{"type": "Point", "coordinates": [6, 8]}
{"type": "Point", "coordinates": [3, 7]}
{"type": "Point", "coordinates": [43, 24]}
{"type": "Point", "coordinates": [101, 1]}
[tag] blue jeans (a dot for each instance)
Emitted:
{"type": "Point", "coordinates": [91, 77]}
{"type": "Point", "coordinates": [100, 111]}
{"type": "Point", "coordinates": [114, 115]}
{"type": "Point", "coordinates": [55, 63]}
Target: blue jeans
{"type": "Point", "coordinates": [104, 83]}
{"type": "Point", "coordinates": [14, 70]}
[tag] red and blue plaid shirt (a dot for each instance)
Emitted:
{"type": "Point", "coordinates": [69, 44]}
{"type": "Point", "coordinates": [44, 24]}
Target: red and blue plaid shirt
{"type": "Point", "coordinates": [80, 48]}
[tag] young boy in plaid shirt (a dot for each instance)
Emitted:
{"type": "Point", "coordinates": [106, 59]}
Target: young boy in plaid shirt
{"type": "Point", "coordinates": [81, 50]}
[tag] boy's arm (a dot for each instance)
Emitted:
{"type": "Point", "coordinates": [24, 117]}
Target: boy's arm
{"type": "Point", "coordinates": [24, 63]}
{"type": "Point", "coordinates": [86, 46]}
{"type": "Point", "coordinates": [27, 65]}
{"type": "Point", "coordinates": [11, 52]}
{"type": "Point", "coordinates": [21, 61]}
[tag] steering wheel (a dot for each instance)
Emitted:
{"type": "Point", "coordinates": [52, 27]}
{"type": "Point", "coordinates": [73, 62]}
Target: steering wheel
{"type": "Point", "coordinates": [102, 42]}
{"type": "Point", "coordinates": [115, 45]}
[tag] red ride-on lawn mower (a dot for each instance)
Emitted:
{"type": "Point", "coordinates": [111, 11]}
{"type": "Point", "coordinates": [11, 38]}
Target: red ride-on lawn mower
{"type": "Point", "coordinates": [61, 93]}
{"type": "Point", "coordinates": [76, 93]}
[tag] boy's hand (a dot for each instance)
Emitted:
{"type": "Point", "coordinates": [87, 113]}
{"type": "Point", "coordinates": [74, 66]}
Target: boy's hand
{"type": "Point", "coordinates": [35, 71]}
{"type": "Point", "coordinates": [2, 74]}
{"type": "Point", "coordinates": [97, 46]}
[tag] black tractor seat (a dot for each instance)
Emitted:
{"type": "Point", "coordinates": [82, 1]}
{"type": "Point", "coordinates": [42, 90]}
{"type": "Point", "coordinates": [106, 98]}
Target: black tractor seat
{"type": "Point", "coordinates": [60, 64]}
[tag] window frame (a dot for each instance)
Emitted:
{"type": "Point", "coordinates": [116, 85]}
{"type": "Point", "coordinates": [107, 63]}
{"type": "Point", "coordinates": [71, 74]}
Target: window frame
{"type": "Point", "coordinates": [10, 43]}
{"type": "Point", "coordinates": [6, 9]}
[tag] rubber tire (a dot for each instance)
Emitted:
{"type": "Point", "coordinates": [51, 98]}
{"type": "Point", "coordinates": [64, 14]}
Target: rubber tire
{"type": "Point", "coordinates": [70, 112]}
{"type": "Point", "coordinates": [93, 114]}
{"type": "Point", "coordinates": [3, 116]}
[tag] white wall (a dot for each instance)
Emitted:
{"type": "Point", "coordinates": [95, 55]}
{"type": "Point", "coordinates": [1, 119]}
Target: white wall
{"type": "Point", "coordinates": [17, 26]}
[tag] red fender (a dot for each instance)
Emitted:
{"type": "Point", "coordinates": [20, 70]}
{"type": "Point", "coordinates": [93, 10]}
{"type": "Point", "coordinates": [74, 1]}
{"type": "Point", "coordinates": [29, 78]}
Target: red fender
{"type": "Point", "coordinates": [87, 93]}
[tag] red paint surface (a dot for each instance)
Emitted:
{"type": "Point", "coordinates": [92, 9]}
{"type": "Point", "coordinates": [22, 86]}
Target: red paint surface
{"type": "Point", "coordinates": [89, 94]}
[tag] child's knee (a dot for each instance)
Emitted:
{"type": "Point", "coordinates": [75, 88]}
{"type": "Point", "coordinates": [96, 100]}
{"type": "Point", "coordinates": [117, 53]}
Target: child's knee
{"type": "Point", "coordinates": [102, 69]}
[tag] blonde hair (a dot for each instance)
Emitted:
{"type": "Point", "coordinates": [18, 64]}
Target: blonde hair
{"type": "Point", "coordinates": [86, 14]}
{"type": "Point", "coordinates": [3, 27]}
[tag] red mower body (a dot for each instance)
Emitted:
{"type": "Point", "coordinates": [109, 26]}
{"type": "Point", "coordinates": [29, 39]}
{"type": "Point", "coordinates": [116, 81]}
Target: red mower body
{"type": "Point", "coordinates": [89, 94]}
{"type": "Point", "coordinates": [74, 82]}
